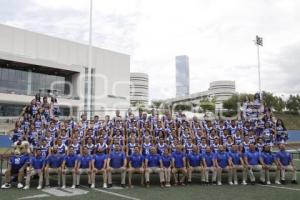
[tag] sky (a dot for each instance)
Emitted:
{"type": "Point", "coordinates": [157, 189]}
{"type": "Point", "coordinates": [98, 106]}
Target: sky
{"type": "Point", "coordinates": [217, 35]}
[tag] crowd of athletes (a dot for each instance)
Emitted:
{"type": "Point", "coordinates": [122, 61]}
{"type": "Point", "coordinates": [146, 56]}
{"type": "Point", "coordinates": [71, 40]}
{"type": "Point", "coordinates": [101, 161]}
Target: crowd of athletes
{"type": "Point", "coordinates": [172, 146]}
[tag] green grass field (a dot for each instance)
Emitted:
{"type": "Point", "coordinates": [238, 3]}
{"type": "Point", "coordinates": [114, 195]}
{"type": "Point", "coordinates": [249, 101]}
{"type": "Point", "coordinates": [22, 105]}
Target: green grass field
{"type": "Point", "coordinates": [194, 191]}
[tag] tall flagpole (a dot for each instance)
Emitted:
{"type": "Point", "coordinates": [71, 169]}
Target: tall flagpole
{"type": "Point", "coordinates": [259, 42]}
{"type": "Point", "coordinates": [90, 57]}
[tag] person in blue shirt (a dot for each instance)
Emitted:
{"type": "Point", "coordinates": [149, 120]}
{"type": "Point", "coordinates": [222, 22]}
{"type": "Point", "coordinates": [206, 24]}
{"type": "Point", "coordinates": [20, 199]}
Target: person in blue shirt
{"type": "Point", "coordinates": [237, 163]}
{"type": "Point", "coordinates": [222, 163]}
{"type": "Point", "coordinates": [53, 165]}
{"type": "Point", "coordinates": [69, 165]}
{"type": "Point", "coordinates": [179, 165]}
{"type": "Point", "coordinates": [37, 164]}
{"type": "Point", "coordinates": [268, 161]}
{"type": "Point", "coordinates": [136, 165]}
{"type": "Point", "coordinates": [195, 163]}
{"type": "Point", "coordinates": [252, 161]}
{"type": "Point", "coordinates": [84, 166]}
{"type": "Point", "coordinates": [16, 166]}
{"type": "Point", "coordinates": [99, 163]}
{"type": "Point", "coordinates": [208, 157]}
{"type": "Point", "coordinates": [116, 163]}
{"type": "Point", "coordinates": [286, 163]}
{"type": "Point", "coordinates": [153, 165]}
{"type": "Point", "coordinates": [166, 163]}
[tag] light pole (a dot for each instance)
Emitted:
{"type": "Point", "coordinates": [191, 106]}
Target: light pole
{"type": "Point", "coordinates": [90, 58]}
{"type": "Point", "coordinates": [259, 42]}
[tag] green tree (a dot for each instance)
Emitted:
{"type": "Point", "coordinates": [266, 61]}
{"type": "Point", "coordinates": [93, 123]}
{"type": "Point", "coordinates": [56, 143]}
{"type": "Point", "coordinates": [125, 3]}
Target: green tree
{"type": "Point", "coordinates": [293, 103]}
{"type": "Point", "coordinates": [279, 104]}
{"type": "Point", "coordinates": [268, 99]}
{"type": "Point", "coordinates": [208, 105]}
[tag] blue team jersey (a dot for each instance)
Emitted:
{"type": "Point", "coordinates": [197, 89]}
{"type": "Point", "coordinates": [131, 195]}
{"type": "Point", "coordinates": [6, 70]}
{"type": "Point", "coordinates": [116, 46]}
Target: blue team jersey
{"type": "Point", "coordinates": [208, 157]}
{"type": "Point", "coordinates": [17, 162]}
{"type": "Point", "coordinates": [84, 161]}
{"type": "Point", "coordinates": [166, 160]}
{"type": "Point", "coordinates": [54, 160]}
{"type": "Point", "coordinates": [235, 157]}
{"type": "Point", "coordinates": [153, 160]}
{"type": "Point", "coordinates": [99, 160]}
{"type": "Point", "coordinates": [253, 157]}
{"type": "Point", "coordinates": [37, 162]}
{"type": "Point", "coordinates": [178, 159]}
{"type": "Point", "coordinates": [70, 160]}
{"type": "Point", "coordinates": [194, 159]}
{"type": "Point", "coordinates": [222, 159]}
{"type": "Point", "coordinates": [284, 157]}
{"type": "Point", "coordinates": [268, 158]}
{"type": "Point", "coordinates": [136, 160]}
{"type": "Point", "coordinates": [117, 159]}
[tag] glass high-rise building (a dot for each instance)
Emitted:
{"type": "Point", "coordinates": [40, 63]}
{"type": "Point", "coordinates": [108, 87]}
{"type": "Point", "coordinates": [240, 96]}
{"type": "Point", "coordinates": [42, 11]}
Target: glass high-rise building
{"type": "Point", "coordinates": [182, 76]}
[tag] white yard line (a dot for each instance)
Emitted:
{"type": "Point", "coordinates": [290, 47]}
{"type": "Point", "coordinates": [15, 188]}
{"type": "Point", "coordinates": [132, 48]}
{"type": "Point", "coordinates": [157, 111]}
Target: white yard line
{"type": "Point", "coordinates": [35, 196]}
{"type": "Point", "coordinates": [279, 187]}
{"type": "Point", "coordinates": [114, 194]}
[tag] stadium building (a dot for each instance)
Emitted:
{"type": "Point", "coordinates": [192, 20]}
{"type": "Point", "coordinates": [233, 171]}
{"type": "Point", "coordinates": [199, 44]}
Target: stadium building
{"type": "Point", "coordinates": [31, 63]}
{"type": "Point", "coordinates": [219, 90]}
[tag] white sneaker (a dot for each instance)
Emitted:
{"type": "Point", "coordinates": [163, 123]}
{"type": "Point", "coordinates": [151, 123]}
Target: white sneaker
{"type": "Point", "coordinates": [277, 182]}
{"type": "Point", "coordinates": [244, 183]}
{"type": "Point", "coordinates": [20, 185]}
{"type": "Point", "coordinates": [104, 185]}
{"type": "Point", "coordinates": [168, 185]}
{"type": "Point", "coordinates": [26, 187]}
{"type": "Point", "coordinates": [93, 186]}
{"type": "Point", "coordinates": [268, 183]}
{"type": "Point", "coordinates": [63, 187]}
{"type": "Point", "coordinates": [39, 187]}
{"type": "Point", "coordinates": [230, 183]}
{"type": "Point", "coordinates": [219, 183]}
{"type": "Point", "coordinates": [73, 187]}
{"type": "Point", "coordinates": [235, 183]}
{"type": "Point", "coordinates": [6, 186]}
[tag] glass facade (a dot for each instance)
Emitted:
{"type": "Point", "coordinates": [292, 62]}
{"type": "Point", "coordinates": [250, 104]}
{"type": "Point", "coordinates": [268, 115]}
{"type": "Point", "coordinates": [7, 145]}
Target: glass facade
{"type": "Point", "coordinates": [10, 109]}
{"type": "Point", "coordinates": [182, 76]}
{"type": "Point", "coordinates": [19, 82]}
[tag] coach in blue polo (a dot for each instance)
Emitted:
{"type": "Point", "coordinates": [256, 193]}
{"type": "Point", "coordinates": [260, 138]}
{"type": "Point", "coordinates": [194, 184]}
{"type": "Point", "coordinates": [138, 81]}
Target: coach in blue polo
{"type": "Point", "coordinates": [116, 163]}
{"type": "Point", "coordinates": [179, 165]}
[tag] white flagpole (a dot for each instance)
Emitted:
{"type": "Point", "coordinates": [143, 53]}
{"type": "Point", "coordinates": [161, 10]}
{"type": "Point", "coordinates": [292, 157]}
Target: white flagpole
{"type": "Point", "coordinates": [90, 57]}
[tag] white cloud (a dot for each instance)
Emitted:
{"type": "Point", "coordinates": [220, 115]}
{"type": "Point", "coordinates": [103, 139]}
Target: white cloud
{"type": "Point", "coordinates": [216, 34]}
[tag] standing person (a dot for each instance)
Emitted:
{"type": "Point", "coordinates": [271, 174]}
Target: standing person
{"type": "Point", "coordinates": [222, 163]}
{"type": "Point", "coordinates": [195, 164]}
{"type": "Point", "coordinates": [268, 162]}
{"type": "Point", "coordinates": [84, 166]}
{"type": "Point", "coordinates": [166, 163]}
{"type": "Point", "coordinates": [136, 165]}
{"type": "Point", "coordinates": [116, 163]}
{"type": "Point", "coordinates": [179, 165]}
{"type": "Point", "coordinates": [53, 165]}
{"type": "Point", "coordinates": [286, 163]}
{"type": "Point", "coordinates": [37, 164]}
{"type": "Point", "coordinates": [237, 163]}
{"type": "Point", "coordinates": [208, 163]}
{"type": "Point", "coordinates": [69, 165]}
{"type": "Point", "coordinates": [153, 165]}
{"type": "Point", "coordinates": [252, 161]}
{"type": "Point", "coordinates": [99, 164]}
